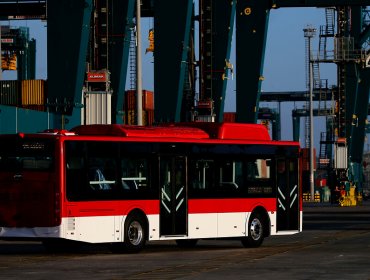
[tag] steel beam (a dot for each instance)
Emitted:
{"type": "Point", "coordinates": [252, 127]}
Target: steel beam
{"type": "Point", "coordinates": [351, 72]}
{"type": "Point", "coordinates": [318, 3]}
{"type": "Point", "coordinates": [121, 18]}
{"type": "Point", "coordinates": [22, 9]}
{"type": "Point", "coordinates": [356, 144]}
{"type": "Point", "coordinates": [223, 28]}
{"type": "Point", "coordinates": [291, 96]}
{"type": "Point", "coordinates": [251, 31]}
{"type": "Point", "coordinates": [172, 22]}
{"type": "Point", "coordinates": [68, 34]}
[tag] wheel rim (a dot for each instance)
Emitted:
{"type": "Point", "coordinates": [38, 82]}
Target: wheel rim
{"type": "Point", "coordinates": [135, 233]}
{"type": "Point", "coordinates": [256, 229]}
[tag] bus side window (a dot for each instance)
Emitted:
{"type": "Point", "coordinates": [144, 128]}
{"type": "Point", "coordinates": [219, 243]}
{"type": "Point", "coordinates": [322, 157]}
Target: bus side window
{"type": "Point", "coordinates": [102, 175]}
{"type": "Point", "coordinates": [134, 174]}
{"type": "Point", "coordinates": [227, 175]}
{"type": "Point", "coordinates": [259, 181]}
{"type": "Point", "coordinates": [201, 174]}
{"type": "Point", "coordinates": [75, 179]}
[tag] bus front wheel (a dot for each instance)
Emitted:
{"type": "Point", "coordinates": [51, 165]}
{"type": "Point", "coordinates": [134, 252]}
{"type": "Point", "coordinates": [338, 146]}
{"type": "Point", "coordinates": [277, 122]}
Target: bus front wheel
{"type": "Point", "coordinates": [134, 235]}
{"type": "Point", "coordinates": [256, 231]}
{"type": "Point", "coordinates": [134, 238]}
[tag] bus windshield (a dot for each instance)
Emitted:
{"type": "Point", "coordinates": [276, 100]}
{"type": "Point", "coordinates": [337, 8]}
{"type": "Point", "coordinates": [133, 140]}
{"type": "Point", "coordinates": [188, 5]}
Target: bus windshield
{"type": "Point", "coordinates": [17, 154]}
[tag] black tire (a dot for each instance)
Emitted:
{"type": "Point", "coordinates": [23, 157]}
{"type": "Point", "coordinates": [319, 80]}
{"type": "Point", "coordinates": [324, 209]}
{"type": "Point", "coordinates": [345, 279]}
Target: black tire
{"type": "Point", "coordinates": [256, 231]}
{"type": "Point", "coordinates": [134, 236]}
{"type": "Point", "coordinates": [186, 243]}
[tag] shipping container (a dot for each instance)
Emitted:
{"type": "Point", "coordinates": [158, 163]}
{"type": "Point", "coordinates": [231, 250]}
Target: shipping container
{"type": "Point", "coordinates": [229, 117]}
{"type": "Point", "coordinates": [306, 159]}
{"type": "Point", "coordinates": [130, 100]}
{"type": "Point", "coordinates": [97, 109]}
{"type": "Point", "coordinates": [41, 108]}
{"type": "Point", "coordinates": [148, 117]}
{"type": "Point", "coordinates": [33, 92]}
{"type": "Point", "coordinates": [10, 93]}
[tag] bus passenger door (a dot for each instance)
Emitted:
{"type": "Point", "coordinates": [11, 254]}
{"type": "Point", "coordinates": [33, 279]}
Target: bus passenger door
{"type": "Point", "coordinates": [173, 196]}
{"type": "Point", "coordinates": [287, 194]}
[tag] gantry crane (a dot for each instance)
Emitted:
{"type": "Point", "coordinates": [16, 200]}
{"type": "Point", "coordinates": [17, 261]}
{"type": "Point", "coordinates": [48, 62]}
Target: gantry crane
{"type": "Point", "coordinates": [69, 33]}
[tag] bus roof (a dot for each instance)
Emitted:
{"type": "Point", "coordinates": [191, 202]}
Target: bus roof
{"type": "Point", "coordinates": [196, 130]}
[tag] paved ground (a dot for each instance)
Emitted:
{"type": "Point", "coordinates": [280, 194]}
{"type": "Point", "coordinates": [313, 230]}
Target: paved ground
{"type": "Point", "coordinates": [319, 207]}
{"type": "Point", "coordinates": [334, 244]}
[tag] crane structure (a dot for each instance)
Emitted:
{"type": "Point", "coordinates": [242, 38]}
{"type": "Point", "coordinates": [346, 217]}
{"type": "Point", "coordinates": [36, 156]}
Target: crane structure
{"type": "Point", "coordinates": [18, 51]}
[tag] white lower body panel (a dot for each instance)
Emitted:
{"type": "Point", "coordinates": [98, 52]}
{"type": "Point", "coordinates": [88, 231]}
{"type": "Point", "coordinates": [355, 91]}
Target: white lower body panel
{"type": "Point", "coordinates": [107, 229]}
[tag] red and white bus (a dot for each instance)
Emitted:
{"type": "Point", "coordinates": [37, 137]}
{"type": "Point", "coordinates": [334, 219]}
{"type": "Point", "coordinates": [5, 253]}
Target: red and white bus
{"type": "Point", "coordinates": [125, 185]}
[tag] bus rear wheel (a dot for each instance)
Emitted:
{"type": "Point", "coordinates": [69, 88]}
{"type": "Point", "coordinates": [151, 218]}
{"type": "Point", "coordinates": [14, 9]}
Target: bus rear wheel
{"type": "Point", "coordinates": [256, 232]}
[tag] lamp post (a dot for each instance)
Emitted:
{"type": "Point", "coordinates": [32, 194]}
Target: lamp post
{"type": "Point", "coordinates": [139, 91]}
{"type": "Point", "coordinates": [309, 33]}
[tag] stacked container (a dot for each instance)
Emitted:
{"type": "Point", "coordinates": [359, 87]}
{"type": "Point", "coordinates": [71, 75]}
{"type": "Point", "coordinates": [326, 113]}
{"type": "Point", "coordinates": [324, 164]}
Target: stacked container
{"type": "Point", "coordinates": [10, 93]}
{"type": "Point", "coordinates": [130, 107]}
{"type": "Point", "coordinates": [229, 117]}
{"type": "Point", "coordinates": [33, 94]}
{"type": "Point", "coordinates": [29, 94]}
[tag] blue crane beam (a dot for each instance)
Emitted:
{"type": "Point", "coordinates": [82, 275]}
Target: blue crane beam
{"type": "Point", "coordinates": [359, 117]}
{"type": "Point", "coordinates": [251, 33]}
{"type": "Point", "coordinates": [67, 49]}
{"type": "Point", "coordinates": [119, 51]}
{"type": "Point", "coordinates": [318, 3]}
{"type": "Point", "coordinates": [217, 26]}
{"type": "Point", "coordinates": [22, 9]}
{"type": "Point", "coordinates": [170, 52]}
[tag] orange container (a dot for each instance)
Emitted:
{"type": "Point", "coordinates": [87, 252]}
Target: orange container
{"type": "Point", "coordinates": [148, 100]}
{"type": "Point", "coordinates": [33, 92]}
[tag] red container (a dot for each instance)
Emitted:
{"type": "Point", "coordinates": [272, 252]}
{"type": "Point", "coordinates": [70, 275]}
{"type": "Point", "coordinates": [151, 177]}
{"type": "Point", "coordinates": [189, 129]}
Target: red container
{"type": "Point", "coordinates": [229, 117]}
{"type": "Point", "coordinates": [130, 100]}
{"type": "Point", "coordinates": [306, 159]}
{"type": "Point", "coordinates": [148, 117]}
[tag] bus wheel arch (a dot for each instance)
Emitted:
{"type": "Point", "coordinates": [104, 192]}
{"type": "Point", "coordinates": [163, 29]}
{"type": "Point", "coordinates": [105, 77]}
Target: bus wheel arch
{"type": "Point", "coordinates": [135, 233]}
{"type": "Point", "coordinates": [258, 228]}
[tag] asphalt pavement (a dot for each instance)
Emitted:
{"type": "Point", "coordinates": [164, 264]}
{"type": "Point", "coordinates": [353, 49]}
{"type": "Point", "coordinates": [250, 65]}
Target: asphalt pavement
{"type": "Point", "coordinates": [325, 207]}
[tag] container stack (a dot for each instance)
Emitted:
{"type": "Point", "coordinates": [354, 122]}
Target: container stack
{"type": "Point", "coordinates": [10, 93]}
{"type": "Point", "coordinates": [33, 94]}
{"type": "Point", "coordinates": [130, 107]}
{"type": "Point", "coordinates": [229, 117]}
{"type": "Point", "coordinates": [28, 94]}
